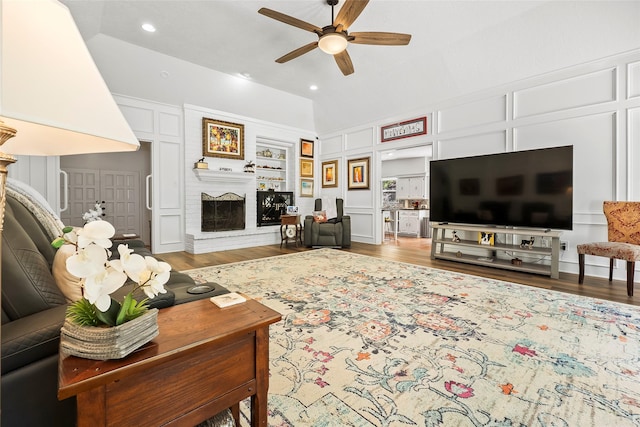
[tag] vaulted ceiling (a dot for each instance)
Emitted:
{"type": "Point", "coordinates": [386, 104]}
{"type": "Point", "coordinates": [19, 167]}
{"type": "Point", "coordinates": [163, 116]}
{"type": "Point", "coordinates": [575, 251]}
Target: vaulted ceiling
{"type": "Point", "coordinates": [457, 47]}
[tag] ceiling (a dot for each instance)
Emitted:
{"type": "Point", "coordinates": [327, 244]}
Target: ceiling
{"type": "Point", "coordinates": [457, 47]}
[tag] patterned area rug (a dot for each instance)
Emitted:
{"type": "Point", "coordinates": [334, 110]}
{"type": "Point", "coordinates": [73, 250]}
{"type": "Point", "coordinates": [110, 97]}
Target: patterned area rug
{"type": "Point", "coordinates": [370, 342]}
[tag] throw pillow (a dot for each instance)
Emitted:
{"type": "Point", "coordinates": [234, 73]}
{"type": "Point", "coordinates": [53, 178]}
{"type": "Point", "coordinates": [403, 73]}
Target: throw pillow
{"type": "Point", "coordinates": [67, 282]}
{"type": "Point", "coordinates": [319, 216]}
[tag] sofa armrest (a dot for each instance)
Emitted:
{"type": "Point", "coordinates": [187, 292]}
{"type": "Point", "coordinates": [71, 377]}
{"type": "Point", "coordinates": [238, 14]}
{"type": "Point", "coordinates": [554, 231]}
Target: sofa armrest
{"type": "Point", "coordinates": [346, 231]}
{"type": "Point", "coordinates": [31, 338]}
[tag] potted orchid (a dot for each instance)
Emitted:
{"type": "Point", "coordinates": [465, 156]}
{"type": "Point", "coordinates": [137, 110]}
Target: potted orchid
{"type": "Point", "coordinates": [100, 276]}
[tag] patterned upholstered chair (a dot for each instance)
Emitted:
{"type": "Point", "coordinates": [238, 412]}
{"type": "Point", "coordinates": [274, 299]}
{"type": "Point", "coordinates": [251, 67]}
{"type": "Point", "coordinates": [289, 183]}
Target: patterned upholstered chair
{"type": "Point", "coordinates": [623, 222]}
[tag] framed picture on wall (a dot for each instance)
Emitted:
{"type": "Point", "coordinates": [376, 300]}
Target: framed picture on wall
{"type": "Point", "coordinates": [306, 148]}
{"type": "Point", "coordinates": [306, 188]}
{"type": "Point", "coordinates": [222, 139]}
{"type": "Point", "coordinates": [330, 174]}
{"type": "Point", "coordinates": [358, 170]}
{"type": "Point", "coordinates": [306, 168]}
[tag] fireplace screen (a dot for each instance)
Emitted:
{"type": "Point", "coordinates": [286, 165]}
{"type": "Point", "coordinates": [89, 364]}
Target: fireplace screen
{"type": "Point", "coordinates": [272, 204]}
{"type": "Point", "coordinates": [223, 213]}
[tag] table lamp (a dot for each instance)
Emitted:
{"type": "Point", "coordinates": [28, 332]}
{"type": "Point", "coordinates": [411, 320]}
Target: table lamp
{"type": "Point", "coordinates": [53, 100]}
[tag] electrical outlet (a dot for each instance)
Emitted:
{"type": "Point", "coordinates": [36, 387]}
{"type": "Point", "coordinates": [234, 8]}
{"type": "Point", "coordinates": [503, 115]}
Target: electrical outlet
{"type": "Point", "coordinates": [564, 246]}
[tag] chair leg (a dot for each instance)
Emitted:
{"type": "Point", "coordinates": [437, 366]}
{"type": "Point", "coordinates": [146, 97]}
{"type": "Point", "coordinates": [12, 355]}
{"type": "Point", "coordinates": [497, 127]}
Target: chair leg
{"type": "Point", "coordinates": [630, 268]}
{"type": "Point", "coordinates": [581, 268]}
{"type": "Point", "coordinates": [610, 269]}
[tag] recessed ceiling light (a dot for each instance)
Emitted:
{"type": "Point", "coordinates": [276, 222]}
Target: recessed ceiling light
{"type": "Point", "coordinates": [313, 87]}
{"type": "Point", "coordinates": [148, 27]}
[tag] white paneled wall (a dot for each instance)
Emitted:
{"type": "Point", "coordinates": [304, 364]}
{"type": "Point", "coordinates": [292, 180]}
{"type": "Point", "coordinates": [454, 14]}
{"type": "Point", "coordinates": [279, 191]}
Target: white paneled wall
{"type": "Point", "coordinates": [595, 107]}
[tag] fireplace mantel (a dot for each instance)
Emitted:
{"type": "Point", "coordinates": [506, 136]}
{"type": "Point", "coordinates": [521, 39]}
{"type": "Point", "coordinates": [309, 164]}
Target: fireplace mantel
{"type": "Point", "coordinates": [223, 176]}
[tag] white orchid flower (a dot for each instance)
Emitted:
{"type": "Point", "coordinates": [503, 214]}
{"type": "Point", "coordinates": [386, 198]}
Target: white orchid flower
{"type": "Point", "coordinates": [87, 261]}
{"type": "Point", "coordinates": [97, 288]}
{"type": "Point", "coordinates": [158, 273]}
{"type": "Point", "coordinates": [97, 232]}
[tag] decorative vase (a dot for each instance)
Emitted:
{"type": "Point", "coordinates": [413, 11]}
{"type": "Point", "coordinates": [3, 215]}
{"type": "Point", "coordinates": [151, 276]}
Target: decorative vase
{"type": "Point", "coordinates": [103, 343]}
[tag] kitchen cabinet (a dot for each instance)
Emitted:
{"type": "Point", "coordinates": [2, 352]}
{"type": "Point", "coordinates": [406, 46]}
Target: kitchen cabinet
{"type": "Point", "coordinates": [411, 188]}
{"type": "Point", "coordinates": [410, 222]}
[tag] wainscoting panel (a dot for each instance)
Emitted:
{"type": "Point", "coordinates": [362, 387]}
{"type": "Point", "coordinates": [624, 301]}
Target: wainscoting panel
{"type": "Point", "coordinates": [633, 147]}
{"type": "Point", "coordinates": [362, 227]}
{"type": "Point", "coordinates": [331, 145]}
{"type": "Point", "coordinates": [140, 119]}
{"type": "Point", "coordinates": [579, 91]}
{"type": "Point", "coordinates": [489, 110]}
{"type": "Point", "coordinates": [473, 145]}
{"type": "Point", "coordinates": [168, 185]}
{"type": "Point", "coordinates": [633, 80]}
{"type": "Point", "coordinates": [360, 139]}
{"type": "Point", "coordinates": [169, 124]}
{"type": "Point", "coordinates": [171, 226]}
{"type": "Point", "coordinates": [593, 140]}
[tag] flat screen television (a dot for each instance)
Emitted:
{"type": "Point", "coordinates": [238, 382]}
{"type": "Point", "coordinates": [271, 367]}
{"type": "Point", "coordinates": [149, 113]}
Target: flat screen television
{"type": "Point", "coordinates": [532, 188]}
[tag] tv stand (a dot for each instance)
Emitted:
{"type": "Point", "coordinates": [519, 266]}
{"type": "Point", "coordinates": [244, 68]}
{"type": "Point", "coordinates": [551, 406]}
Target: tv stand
{"type": "Point", "coordinates": [443, 247]}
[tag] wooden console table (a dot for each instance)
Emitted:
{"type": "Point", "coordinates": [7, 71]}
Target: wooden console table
{"type": "Point", "coordinates": [206, 359]}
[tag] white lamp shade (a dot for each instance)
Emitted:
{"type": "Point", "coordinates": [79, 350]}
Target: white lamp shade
{"type": "Point", "coordinates": [52, 91]}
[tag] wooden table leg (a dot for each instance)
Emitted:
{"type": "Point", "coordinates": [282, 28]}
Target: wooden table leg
{"type": "Point", "coordinates": [259, 400]}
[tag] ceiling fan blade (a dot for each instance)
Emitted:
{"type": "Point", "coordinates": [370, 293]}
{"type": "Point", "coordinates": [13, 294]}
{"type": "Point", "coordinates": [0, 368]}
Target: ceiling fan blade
{"type": "Point", "coordinates": [295, 53]}
{"type": "Point", "coordinates": [380, 38]}
{"type": "Point", "coordinates": [289, 20]}
{"type": "Point", "coordinates": [348, 13]}
{"type": "Point", "coordinates": [344, 62]}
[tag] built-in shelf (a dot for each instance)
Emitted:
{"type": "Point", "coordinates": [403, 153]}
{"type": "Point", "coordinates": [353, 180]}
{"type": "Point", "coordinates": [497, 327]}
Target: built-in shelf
{"type": "Point", "coordinates": [223, 176]}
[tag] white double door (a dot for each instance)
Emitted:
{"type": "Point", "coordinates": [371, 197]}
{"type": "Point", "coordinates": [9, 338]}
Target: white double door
{"type": "Point", "coordinates": [118, 191]}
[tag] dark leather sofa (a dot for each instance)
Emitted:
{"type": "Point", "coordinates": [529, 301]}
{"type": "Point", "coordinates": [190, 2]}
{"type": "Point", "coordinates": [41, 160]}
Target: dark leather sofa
{"type": "Point", "coordinates": [33, 311]}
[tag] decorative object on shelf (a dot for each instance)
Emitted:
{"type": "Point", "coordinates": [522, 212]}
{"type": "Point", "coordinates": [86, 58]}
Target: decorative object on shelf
{"type": "Point", "coordinates": [267, 153]}
{"type": "Point", "coordinates": [222, 139]}
{"type": "Point", "coordinates": [485, 238]}
{"type": "Point", "coordinates": [405, 129]}
{"type": "Point", "coordinates": [459, 254]}
{"type": "Point", "coordinates": [250, 167]}
{"type": "Point", "coordinates": [225, 169]}
{"type": "Point", "coordinates": [306, 188]}
{"type": "Point", "coordinates": [201, 164]}
{"type": "Point", "coordinates": [282, 156]}
{"type": "Point", "coordinates": [527, 243]}
{"type": "Point", "coordinates": [516, 261]}
{"type": "Point", "coordinates": [358, 174]}
{"type": "Point", "coordinates": [454, 237]}
{"type": "Point", "coordinates": [292, 210]}
{"type": "Point", "coordinates": [306, 148]}
{"type": "Point", "coordinates": [306, 168]}
{"type": "Point", "coordinates": [330, 174]}
{"type": "Point", "coordinates": [98, 276]}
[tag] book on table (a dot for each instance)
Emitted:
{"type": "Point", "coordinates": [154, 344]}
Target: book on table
{"type": "Point", "coordinates": [225, 300]}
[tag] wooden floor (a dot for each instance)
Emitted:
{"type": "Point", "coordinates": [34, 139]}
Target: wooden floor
{"type": "Point", "coordinates": [417, 251]}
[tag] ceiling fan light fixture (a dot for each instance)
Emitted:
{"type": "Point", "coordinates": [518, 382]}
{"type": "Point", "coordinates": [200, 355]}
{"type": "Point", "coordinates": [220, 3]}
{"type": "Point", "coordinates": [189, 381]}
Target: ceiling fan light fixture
{"type": "Point", "coordinates": [333, 43]}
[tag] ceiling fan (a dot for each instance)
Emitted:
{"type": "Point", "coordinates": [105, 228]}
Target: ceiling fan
{"type": "Point", "coordinates": [333, 39]}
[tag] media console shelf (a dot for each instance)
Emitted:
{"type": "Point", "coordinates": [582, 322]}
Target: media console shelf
{"type": "Point", "coordinates": [444, 247]}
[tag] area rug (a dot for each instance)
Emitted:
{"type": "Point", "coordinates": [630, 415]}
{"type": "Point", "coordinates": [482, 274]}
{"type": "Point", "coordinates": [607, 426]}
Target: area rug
{"type": "Point", "coordinates": [369, 342]}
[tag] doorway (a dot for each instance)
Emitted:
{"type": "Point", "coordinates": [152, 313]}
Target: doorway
{"type": "Point", "coordinates": [117, 181]}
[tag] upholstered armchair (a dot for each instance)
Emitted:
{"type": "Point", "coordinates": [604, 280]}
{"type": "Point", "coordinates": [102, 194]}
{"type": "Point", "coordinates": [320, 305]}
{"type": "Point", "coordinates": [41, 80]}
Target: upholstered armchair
{"type": "Point", "coordinates": [333, 232]}
{"type": "Point", "coordinates": [623, 223]}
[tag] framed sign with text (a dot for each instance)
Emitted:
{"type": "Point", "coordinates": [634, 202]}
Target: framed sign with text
{"type": "Point", "coordinates": [404, 129]}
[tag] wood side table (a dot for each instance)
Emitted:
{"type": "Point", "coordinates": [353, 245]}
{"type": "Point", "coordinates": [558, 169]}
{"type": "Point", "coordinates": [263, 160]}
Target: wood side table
{"type": "Point", "coordinates": [296, 235]}
{"type": "Point", "coordinates": [204, 360]}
